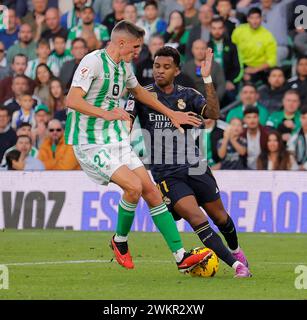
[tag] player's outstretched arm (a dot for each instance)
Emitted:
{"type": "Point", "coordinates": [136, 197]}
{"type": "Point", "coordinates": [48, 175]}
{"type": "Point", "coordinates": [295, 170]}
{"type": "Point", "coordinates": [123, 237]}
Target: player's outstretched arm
{"type": "Point", "coordinates": [74, 100]}
{"type": "Point", "coordinates": [212, 110]}
{"type": "Point", "coordinates": [176, 117]}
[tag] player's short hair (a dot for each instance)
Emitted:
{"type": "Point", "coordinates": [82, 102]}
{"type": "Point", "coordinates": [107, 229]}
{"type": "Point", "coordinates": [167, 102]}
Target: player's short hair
{"type": "Point", "coordinates": [249, 84]}
{"type": "Point", "coordinates": [251, 109]}
{"type": "Point", "coordinates": [60, 36]}
{"type": "Point", "coordinates": [301, 58]}
{"type": "Point", "coordinates": [254, 11]}
{"type": "Point", "coordinates": [167, 51]}
{"type": "Point", "coordinates": [3, 108]}
{"type": "Point", "coordinates": [20, 55]}
{"type": "Point", "coordinates": [22, 76]}
{"type": "Point", "coordinates": [304, 109]}
{"type": "Point", "coordinates": [292, 91]}
{"type": "Point", "coordinates": [276, 68]}
{"type": "Point", "coordinates": [129, 28]}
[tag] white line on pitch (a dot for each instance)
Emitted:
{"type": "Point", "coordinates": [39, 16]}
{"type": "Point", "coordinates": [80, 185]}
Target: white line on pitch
{"type": "Point", "coordinates": [137, 261]}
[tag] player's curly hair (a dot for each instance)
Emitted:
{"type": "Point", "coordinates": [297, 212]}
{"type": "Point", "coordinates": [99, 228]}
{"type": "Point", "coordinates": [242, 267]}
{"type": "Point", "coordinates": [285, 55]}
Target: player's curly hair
{"type": "Point", "coordinates": [167, 51]}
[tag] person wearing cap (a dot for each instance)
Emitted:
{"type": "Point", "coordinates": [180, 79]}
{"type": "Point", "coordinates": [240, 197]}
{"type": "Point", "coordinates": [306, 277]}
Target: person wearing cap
{"type": "Point", "coordinates": [95, 34]}
{"type": "Point", "coordinates": [40, 132]}
{"type": "Point", "coordinates": [54, 153]}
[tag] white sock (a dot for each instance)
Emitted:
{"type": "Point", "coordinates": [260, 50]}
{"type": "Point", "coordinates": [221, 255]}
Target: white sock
{"type": "Point", "coordinates": [235, 251]}
{"type": "Point", "coordinates": [118, 238]}
{"type": "Point", "coordinates": [235, 265]}
{"type": "Point", "coordinates": [179, 254]}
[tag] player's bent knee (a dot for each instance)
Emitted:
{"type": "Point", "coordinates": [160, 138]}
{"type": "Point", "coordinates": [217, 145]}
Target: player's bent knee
{"type": "Point", "coordinates": [134, 191]}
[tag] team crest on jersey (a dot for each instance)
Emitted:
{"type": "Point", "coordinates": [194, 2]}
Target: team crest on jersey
{"type": "Point", "coordinates": [181, 104]}
{"type": "Point", "coordinates": [167, 200]}
{"type": "Point", "coordinates": [84, 72]}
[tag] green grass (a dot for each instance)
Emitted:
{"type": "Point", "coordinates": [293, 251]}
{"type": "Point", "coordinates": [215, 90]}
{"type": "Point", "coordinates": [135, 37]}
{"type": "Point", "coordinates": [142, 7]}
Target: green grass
{"type": "Point", "coordinates": [272, 257]}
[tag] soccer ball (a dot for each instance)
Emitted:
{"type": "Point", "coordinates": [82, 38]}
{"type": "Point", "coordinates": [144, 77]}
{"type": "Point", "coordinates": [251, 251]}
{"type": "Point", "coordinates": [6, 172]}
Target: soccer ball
{"type": "Point", "coordinates": [207, 268]}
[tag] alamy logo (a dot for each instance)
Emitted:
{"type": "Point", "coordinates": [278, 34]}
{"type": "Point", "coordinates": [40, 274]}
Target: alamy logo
{"type": "Point", "coordinates": [301, 280]}
{"type": "Point", "coordinates": [4, 277]}
{"type": "Point", "coordinates": [301, 20]}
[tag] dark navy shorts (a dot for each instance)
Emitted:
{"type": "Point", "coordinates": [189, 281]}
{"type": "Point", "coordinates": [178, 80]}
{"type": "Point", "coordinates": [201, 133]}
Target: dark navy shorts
{"type": "Point", "coordinates": [174, 188]}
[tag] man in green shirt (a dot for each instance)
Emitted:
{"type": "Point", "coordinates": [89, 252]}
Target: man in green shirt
{"type": "Point", "coordinates": [287, 121]}
{"type": "Point", "coordinates": [249, 97]}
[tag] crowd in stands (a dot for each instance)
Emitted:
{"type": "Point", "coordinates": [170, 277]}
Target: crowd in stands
{"type": "Point", "coordinates": [259, 73]}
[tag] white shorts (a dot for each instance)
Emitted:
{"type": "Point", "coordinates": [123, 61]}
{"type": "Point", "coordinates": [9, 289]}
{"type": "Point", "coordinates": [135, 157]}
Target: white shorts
{"type": "Point", "coordinates": [99, 162]}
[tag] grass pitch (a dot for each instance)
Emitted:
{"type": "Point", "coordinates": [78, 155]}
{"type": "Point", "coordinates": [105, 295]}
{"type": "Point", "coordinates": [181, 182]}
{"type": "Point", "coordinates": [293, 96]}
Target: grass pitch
{"type": "Point", "coordinates": [76, 265]}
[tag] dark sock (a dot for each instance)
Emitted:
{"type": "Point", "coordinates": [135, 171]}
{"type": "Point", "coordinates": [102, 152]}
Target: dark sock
{"type": "Point", "coordinates": [230, 234]}
{"type": "Point", "coordinates": [213, 241]}
{"type": "Point", "coordinates": [122, 247]}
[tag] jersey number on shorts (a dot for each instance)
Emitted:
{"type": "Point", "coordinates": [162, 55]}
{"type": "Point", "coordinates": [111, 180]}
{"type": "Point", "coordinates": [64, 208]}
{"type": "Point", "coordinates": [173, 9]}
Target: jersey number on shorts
{"type": "Point", "coordinates": [164, 185]}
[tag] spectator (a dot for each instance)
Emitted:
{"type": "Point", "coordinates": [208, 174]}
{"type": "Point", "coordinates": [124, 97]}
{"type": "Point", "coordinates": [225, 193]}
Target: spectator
{"type": "Point", "coordinates": [232, 148]}
{"type": "Point", "coordinates": [144, 67]}
{"type": "Point", "coordinates": [20, 86]}
{"type": "Point", "coordinates": [256, 45]}
{"type": "Point", "coordinates": [26, 162]}
{"type": "Point", "coordinates": [43, 52]}
{"type": "Point", "coordinates": [211, 136]}
{"type": "Point", "coordinates": [26, 112]}
{"type": "Point", "coordinates": [18, 66]}
{"type": "Point", "coordinates": [275, 19]}
{"type": "Point", "coordinates": [24, 129]}
{"type": "Point", "coordinates": [287, 121]}
{"type": "Point", "coordinates": [131, 13]}
{"type": "Point", "coordinates": [79, 50]}
{"type": "Point", "coordinates": [271, 95]}
{"type": "Point", "coordinates": [275, 156]}
{"type": "Point", "coordinates": [200, 31]}
{"type": "Point", "coordinates": [10, 35]}
{"type": "Point", "coordinates": [300, 42]}
{"type": "Point", "coordinates": [255, 135]}
{"type": "Point", "coordinates": [25, 44]}
{"type": "Point", "coordinates": [192, 70]}
{"type": "Point", "coordinates": [60, 54]}
{"type": "Point", "coordinates": [299, 82]}
{"type": "Point", "coordinates": [4, 68]}
{"type": "Point", "coordinates": [151, 22]}
{"type": "Point", "coordinates": [96, 35]}
{"type": "Point", "coordinates": [43, 77]}
{"type": "Point", "coordinates": [176, 34]}
{"type": "Point", "coordinates": [297, 144]}
{"type": "Point", "coordinates": [190, 13]}
{"type": "Point", "coordinates": [54, 27]}
{"type": "Point", "coordinates": [116, 15]}
{"type": "Point", "coordinates": [230, 17]}
{"type": "Point", "coordinates": [40, 132]}
{"type": "Point", "coordinates": [54, 153]}
{"type": "Point", "coordinates": [248, 96]}
{"type": "Point", "coordinates": [103, 8]}
{"type": "Point", "coordinates": [226, 55]}
{"type": "Point", "coordinates": [7, 134]}
{"type": "Point", "coordinates": [57, 100]}
{"type": "Point", "coordinates": [10, 157]}
{"type": "Point", "coordinates": [36, 18]}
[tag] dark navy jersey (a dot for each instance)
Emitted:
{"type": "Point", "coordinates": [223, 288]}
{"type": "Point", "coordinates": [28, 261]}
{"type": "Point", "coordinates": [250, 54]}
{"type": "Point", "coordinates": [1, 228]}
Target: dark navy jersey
{"type": "Point", "coordinates": [167, 149]}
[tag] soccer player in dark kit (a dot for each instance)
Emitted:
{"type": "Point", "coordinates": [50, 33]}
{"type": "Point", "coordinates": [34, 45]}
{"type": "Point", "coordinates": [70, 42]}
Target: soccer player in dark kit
{"type": "Point", "coordinates": [175, 162]}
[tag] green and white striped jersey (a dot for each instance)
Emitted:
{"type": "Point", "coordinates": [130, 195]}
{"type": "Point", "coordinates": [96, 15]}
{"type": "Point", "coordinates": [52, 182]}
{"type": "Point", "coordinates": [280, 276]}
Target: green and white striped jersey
{"type": "Point", "coordinates": [104, 82]}
{"type": "Point", "coordinates": [101, 33]}
{"type": "Point", "coordinates": [60, 60]}
{"type": "Point", "coordinates": [32, 66]}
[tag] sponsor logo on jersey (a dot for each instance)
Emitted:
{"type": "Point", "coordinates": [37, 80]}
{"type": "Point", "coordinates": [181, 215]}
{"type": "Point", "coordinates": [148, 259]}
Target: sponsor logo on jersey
{"type": "Point", "coordinates": [84, 72]}
{"type": "Point", "coordinates": [130, 105]}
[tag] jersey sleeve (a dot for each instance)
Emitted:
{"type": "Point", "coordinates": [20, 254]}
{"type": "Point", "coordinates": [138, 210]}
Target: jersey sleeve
{"type": "Point", "coordinates": [86, 72]}
{"type": "Point", "coordinates": [199, 102]}
{"type": "Point", "coordinates": [132, 81]}
{"type": "Point", "coordinates": [131, 106]}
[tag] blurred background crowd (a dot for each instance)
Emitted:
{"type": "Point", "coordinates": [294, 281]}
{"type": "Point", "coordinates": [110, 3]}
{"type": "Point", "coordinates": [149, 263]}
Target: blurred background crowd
{"type": "Point", "coordinates": [259, 72]}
